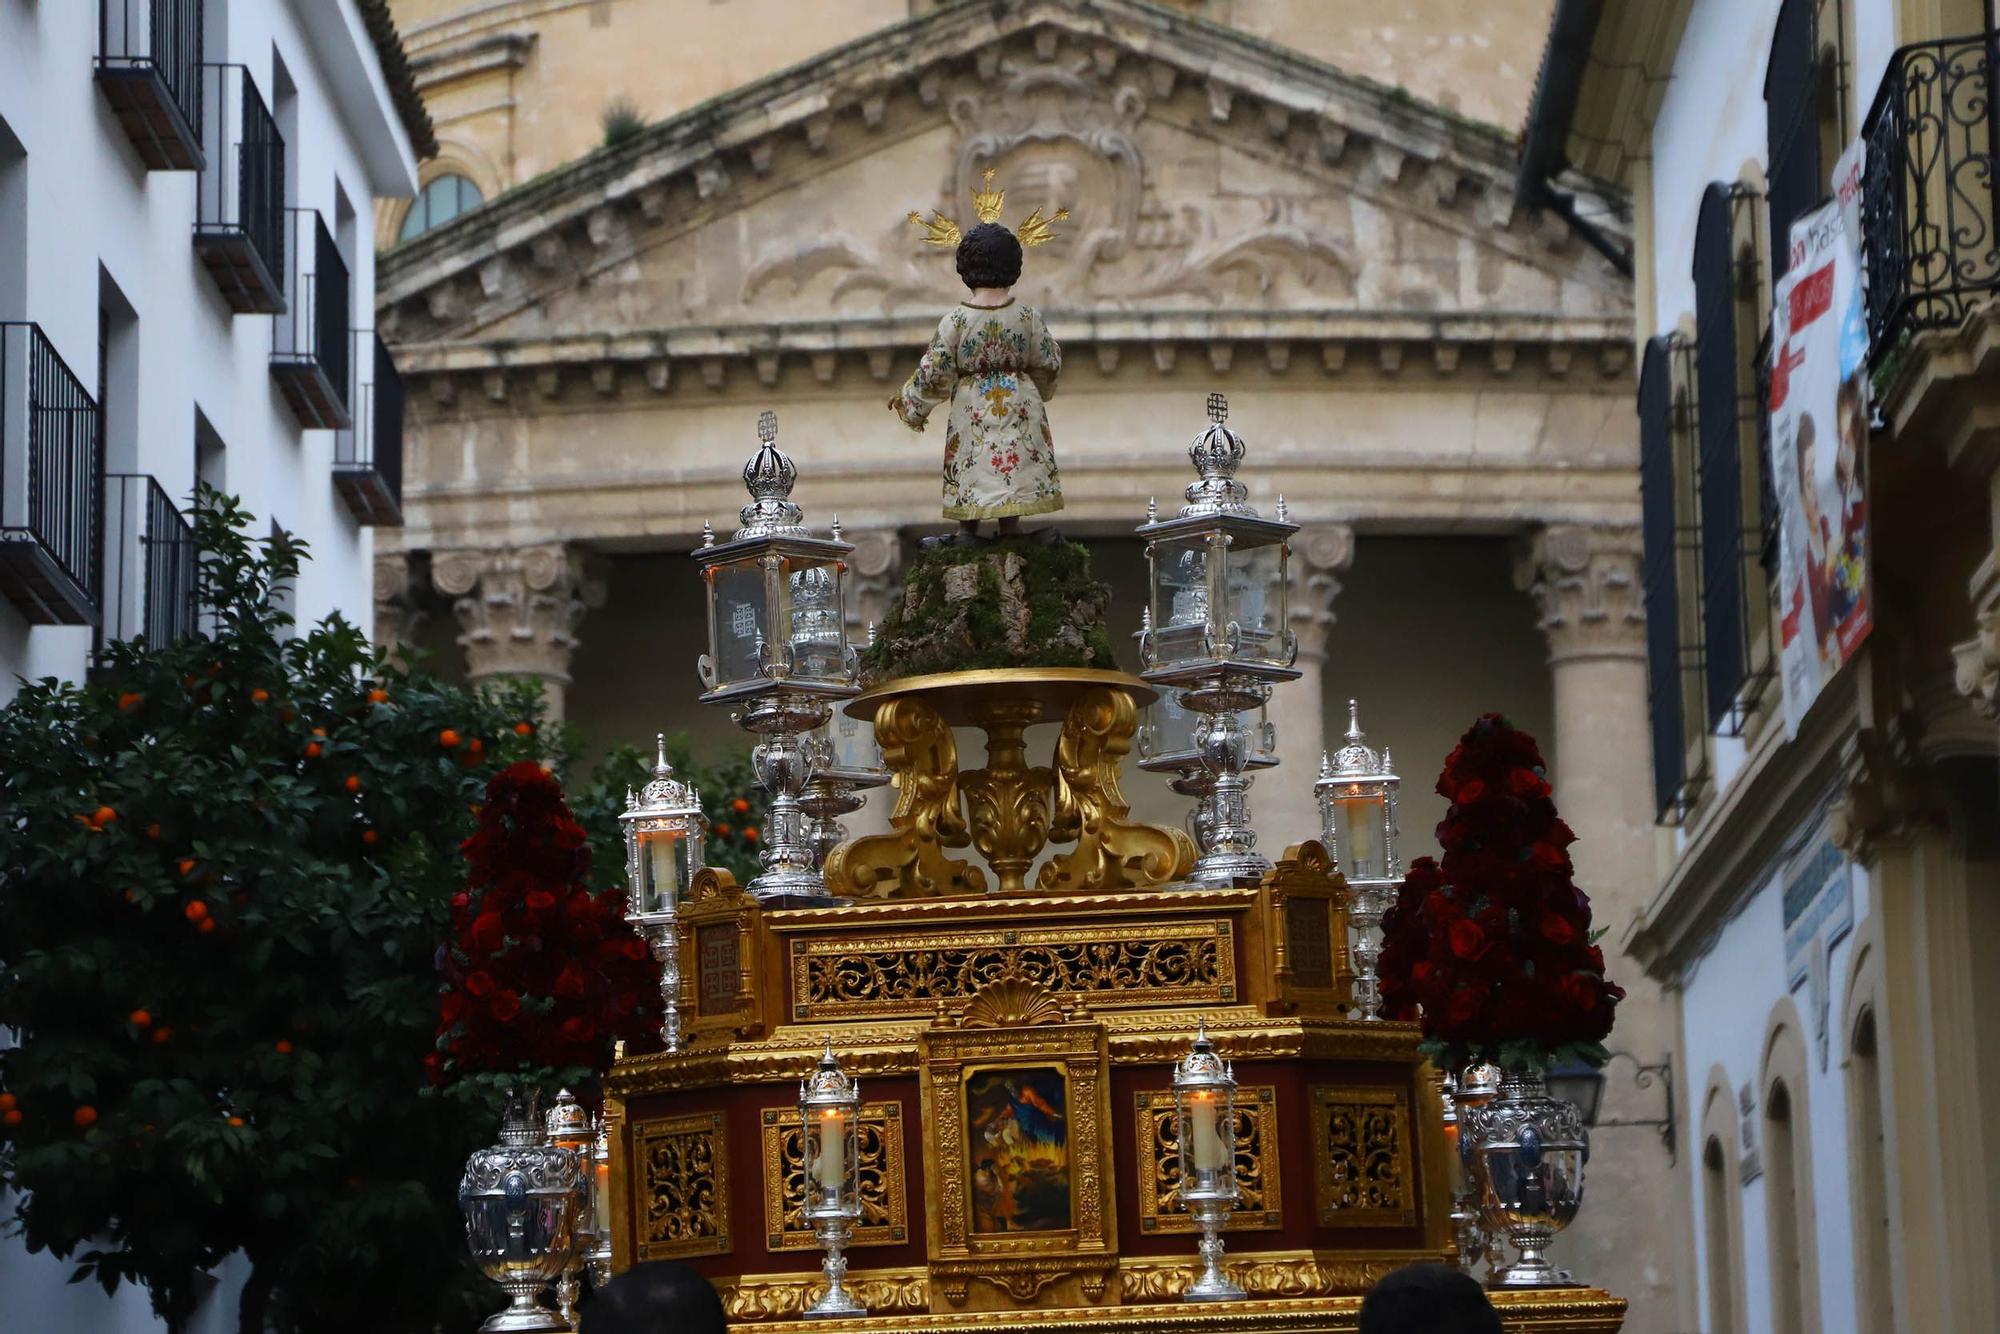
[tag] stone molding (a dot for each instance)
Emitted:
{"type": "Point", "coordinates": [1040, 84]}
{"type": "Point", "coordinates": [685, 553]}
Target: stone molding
{"type": "Point", "coordinates": [398, 617]}
{"type": "Point", "coordinates": [1977, 660]}
{"type": "Point", "coordinates": [1321, 553]}
{"type": "Point", "coordinates": [518, 608]}
{"type": "Point", "coordinates": [1589, 599]}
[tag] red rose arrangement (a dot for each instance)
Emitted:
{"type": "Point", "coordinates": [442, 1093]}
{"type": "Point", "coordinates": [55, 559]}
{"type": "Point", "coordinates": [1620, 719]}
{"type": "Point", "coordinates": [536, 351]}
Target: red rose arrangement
{"type": "Point", "coordinates": [541, 974]}
{"type": "Point", "coordinates": [1493, 947]}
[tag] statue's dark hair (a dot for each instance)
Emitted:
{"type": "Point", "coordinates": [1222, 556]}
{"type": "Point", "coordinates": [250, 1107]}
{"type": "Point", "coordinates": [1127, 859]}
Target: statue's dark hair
{"type": "Point", "coordinates": [1428, 1299]}
{"type": "Point", "coordinates": [658, 1294]}
{"type": "Point", "coordinates": [989, 256]}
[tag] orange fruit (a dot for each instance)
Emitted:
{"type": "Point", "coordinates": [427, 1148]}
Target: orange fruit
{"type": "Point", "coordinates": [259, 695]}
{"type": "Point", "coordinates": [8, 1102]}
{"type": "Point", "coordinates": [187, 866]}
{"type": "Point", "coordinates": [153, 830]}
{"type": "Point", "coordinates": [196, 911]}
{"type": "Point", "coordinates": [723, 830]}
{"type": "Point", "coordinates": [286, 715]}
{"type": "Point", "coordinates": [524, 729]}
{"type": "Point", "coordinates": [284, 1048]}
{"type": "Point", "coordinates": [353, 783]}
{"type": "Point", "coordinates": [378, 697]}
{"type": "Point", "coordinates": [140, 1019]}
{"type": "Point", "coordinates": [161, 1036]}
{"type": "Point", "coordinates": [448, 738]}
{"type": "Point", "coordinates": [12, 1117]}
{"type": "Point", "coordinates": [319, 731]}
{"type": "Point", "coordinates": [130, 700]}
{"type": "Point", "coordinates": [103, 816]}
{"type": "Point", "coordinates": [207, 925]}
{"type": "Point", "coordinates": [741, 806]}
{"type": "Point", "coordinates": [312, 750]}
{"type": "Point", "coordinates": [84, 1116]}
{"type": "Point", "coordinates": [369, 837]}
{"type": "Point", "coordinates": [235, 1120]}
{"type": "Point", "coordinates": [750, 834]}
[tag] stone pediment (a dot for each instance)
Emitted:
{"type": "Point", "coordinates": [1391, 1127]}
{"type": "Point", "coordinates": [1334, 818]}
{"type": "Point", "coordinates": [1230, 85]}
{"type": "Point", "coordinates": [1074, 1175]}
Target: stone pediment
{"type": "Point", "coordinates": [1220, 187]}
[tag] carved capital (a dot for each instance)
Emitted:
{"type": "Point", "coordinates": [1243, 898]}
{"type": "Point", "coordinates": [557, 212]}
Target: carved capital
{"type": "Point", "coordinates": [1885, 797]}
{"type": "Point", "coordinates": [1977, 660]}
{"type": "Point", "coordinates": [1321, 552]}
{"type": "Point", "coordinates": [398, 618]}
{"type": "Point", "coordinates": [1585, 580]}
{"type": "Point", "coordinates": [518, 608]}
{"type": "Point", "coordinates": [874, 573]}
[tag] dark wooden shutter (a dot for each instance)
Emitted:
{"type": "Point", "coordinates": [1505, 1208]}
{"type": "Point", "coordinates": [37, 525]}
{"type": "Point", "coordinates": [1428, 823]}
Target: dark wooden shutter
{"type": "Point", "coordinates": [1718, 414]}
{"type": "Point", "coordinates": [1791, 127]}
{"type": "Point", "coordinates": [1663, 648]}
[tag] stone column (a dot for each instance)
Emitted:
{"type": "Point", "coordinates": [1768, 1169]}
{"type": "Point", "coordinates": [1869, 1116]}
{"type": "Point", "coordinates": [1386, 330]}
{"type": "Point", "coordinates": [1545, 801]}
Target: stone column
{"type": "Point", "coordinates": [1281, 803]}
{"type": "Point", "coordinates": [874, 576]}
{"type": "Point", "coordinates": [1634, 1232]}
{"type": "Point", "coordinates": [518, 609]}
{"type": "Point", "coordinates": [398, 619]}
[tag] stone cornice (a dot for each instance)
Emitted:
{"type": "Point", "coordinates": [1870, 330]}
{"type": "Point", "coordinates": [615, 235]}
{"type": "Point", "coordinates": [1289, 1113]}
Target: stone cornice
{"type": "Point", "coordinates": [690, 157]}
{"type": "Point", "coordinates": [1586, 353]}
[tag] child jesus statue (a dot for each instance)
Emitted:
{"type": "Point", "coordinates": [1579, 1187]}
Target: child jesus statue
{"type": "Point", "coordinates": [993, 361]}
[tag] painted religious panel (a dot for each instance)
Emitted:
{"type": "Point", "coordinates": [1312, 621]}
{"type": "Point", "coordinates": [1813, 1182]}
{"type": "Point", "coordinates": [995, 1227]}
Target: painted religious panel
{"type": "Point", "coordinates": [1017, 1119]}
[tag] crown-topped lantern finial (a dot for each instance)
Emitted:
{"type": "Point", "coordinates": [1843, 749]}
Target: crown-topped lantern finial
{"type": "Point", "coordinates": [1216, 454]}
{"type": "Point", "coordinates": [769, 477]}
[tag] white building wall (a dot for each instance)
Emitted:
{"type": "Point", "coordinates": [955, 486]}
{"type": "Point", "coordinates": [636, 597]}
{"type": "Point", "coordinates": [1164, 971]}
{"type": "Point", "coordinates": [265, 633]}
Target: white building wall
{"type": "Point", "coordinates": [92, 208]}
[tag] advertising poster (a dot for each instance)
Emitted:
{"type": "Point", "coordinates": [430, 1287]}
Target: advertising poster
{"type": "Point", "coordinates": [1819, 446]}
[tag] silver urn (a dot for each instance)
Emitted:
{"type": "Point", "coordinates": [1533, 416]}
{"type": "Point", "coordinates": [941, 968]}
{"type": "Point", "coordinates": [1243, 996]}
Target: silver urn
{"type": "Point", "coordinates": [520, 1200]}
{"type": "Point", "coordinates": [1529, 1151]}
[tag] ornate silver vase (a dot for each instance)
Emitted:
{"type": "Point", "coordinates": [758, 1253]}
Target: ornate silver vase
{"type": "Point", "coordinates": [520, 1200]}
{"type": "Point", "coordinates": [1530, 1150]}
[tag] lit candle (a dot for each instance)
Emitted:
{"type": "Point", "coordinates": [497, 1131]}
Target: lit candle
{"type": "Point", "coordinates": [1362, 816]}
{"type": "Point", "coordinates": [666, 876]}
{"type": "Point", "coordinates": [603, 1199]}
{"type": "Point", "coordinates": [831, 1169]}
{"type": "Point", "coordinates": [1210, 1154]}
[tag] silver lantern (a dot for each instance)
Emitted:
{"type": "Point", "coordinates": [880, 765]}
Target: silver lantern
{"type": "Point", "coordinates": [598, 1257]}
{"type": "Point", "coordinates": [829, 1132]}
{"type": "Point", "coordinates": [664, 833]}
{"type": "Point", "coordinates": [846, 762]}
{"type": "Point", "coordinates": [1169, 741]}
{"type": "Point", "coordinates": [569, 1128]}
{"type": "Point", "coordinates": [1205, 1131]}
{"type": "Point", "coordinates": [778, 655]}
{"type": "Point", "coordinates": [1215, 633]}
{"type": "Point", "coordinates": [1357, 821]}
{"type": "Point", "coordinates": [519, 1198]}
{"type": "Point", "coordinates": [1529, 1150]}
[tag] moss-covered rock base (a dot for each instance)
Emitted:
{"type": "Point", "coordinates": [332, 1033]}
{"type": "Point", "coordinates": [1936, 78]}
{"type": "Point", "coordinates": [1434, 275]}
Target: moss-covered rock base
{"type": "Point", "coordinates": [1017, 602]}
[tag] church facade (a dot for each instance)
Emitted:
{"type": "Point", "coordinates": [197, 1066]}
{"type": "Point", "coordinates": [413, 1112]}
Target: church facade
{"type": "Point", "coordinates": [1437, 379]}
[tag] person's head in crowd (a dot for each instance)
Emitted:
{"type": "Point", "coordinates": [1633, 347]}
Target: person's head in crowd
{"type": "Point", "coordinates": [654, 1296]}
{"type": "Point", "coordinates": [1428, 1299]}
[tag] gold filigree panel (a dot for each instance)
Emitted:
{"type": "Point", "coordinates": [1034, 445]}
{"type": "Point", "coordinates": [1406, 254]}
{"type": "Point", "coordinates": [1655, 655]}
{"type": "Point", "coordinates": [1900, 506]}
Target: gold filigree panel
{"type": "Point", "coordinates": [683, 1197]}
{"type": "Point", "coordinates": [1259, 1207]}
{"type": "Point", "coordinates": [905, 975]}
{"type": "Point", "coordinates": [1269, 1274]}
{"type": "Point", "coordinates": [786, 1296]}
{"type": "Point", "coordinates": [885, 1219]}
{"type": "Point", "coordinates": [1361, 1157]}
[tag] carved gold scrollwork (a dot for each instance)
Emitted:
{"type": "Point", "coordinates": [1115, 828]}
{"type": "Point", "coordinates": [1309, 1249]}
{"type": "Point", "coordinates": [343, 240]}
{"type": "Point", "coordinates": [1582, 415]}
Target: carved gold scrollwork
{"type": "Point", "coordinates": [786, 1296]}
{"type": "Point", "coordinates": [1091, 811]}
{"type": "Point", "coordinates": [1361, 1157]}
{"type": "Point", "coordinates": [1258, 1207]}
{"type": "Point", "coordinates": [684, 1186]}
{"type": "Point", "coordinates": [884, 1217]}
{"type": "Point", "coordinates": [1007, 802]}
{"type": "Point", "coordinates": [909, 861]}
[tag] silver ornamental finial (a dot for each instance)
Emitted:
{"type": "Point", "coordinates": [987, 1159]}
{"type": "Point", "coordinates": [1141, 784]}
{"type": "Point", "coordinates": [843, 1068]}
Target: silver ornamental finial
{"type": "Point", "coordinates": [1284, 515]}
{"type": "Point", "coordinates": [1354, 759]}
{"type": "Point", "coordinates": [1353, 720]}
{"type": "Point", "coordinates": [1152, 509]}
{"type": "Point", "coordinates": [1325, 765]}
{"type": "Point", "coordinates": [769, 477]}
{"type": "Point", "coordinates": [1216, 454]}
{"type": "Point", "coordinates": [836, 527]}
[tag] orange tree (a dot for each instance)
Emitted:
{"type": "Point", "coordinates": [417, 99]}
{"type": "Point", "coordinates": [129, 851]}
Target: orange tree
{"type": "Point", "coordinates": [225, 874]}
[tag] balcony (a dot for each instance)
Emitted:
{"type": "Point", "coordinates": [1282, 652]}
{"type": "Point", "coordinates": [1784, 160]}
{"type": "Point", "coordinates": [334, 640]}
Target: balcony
{"type": "Point", "coordinates": [51, 484]}
{"type": "Point", "coordinates": [150, 563]}
{"type": "Point", "coordinates": [310, 352]}
{"type": "Point", "coordinates": [368, 456]}
{"type": "Point", "coordinates": [149, 66]}
{"type": "Point", "coordinates": [239, 228]}
{"type": "Point", "coordinates": [1931, 193]}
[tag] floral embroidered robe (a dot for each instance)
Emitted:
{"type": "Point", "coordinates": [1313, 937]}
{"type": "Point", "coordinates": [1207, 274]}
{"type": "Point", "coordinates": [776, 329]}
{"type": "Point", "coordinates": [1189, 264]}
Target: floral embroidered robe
{"type": "Point", "coordinates": [996, 367]}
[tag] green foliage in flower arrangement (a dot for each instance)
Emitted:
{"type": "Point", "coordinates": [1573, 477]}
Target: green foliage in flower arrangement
{"type": "Point", "coordinates": [225, 874]}
{"type": "Point", "coordinates": [1012, 602]}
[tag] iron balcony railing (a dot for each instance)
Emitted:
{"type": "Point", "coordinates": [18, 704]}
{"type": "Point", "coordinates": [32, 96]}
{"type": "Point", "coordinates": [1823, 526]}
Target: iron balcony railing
{"type": "Point", "coordinates": [310, 353]}
{"type": "Point", "coordinates": [368, 456]}
{"type": "Point", "coordinates": [150, 563]}
{"type": "Point", "coordinates": [51, 483]}
{"type": "Point", "coordinates": [149, 65]}
{"type": "Point", "coordinates": [239, 225]}
{"type": "Point", "coordinates": [1931, 188]}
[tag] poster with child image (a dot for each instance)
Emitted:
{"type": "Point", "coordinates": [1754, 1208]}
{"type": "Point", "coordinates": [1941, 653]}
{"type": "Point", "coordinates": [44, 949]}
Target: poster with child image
{"type": "Point", "coordinates": [1819, 446]}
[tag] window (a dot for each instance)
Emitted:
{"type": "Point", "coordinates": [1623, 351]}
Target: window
{"type": "Point", "coordinates": [1672, 574]}
{"type": "Point", "coordinates": [1805, 112]}
{"type": "Point", "coordinates": [440, 201]}
{"type": "Point", "coordinates": [1868, 1173]}
{"type": "Point", "coordinates": [1719, 1245]}
{"type": "Point", "coordinates": [1781, 1189]}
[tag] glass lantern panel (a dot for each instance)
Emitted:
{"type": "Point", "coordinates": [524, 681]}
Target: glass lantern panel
{"type": "Point", "coordinates": [668, 859]}
{"type": "Point", "coordinates": [854, 745]}
{"type": "Point", "coordinates": [1180, 599]}
{"type": "Point", "coordinates": [815, 624]}
{"type": "Point", "coordinates": [1168, 729]}
{"type": "Point", "coordinates": [1207, 1120]}
{"type": "Point", "coordinates": [738, 622]}
{"type": "Point", "coordinates": [1360, 819]}
{"type": "Point", "coordinates": [1257, 600]}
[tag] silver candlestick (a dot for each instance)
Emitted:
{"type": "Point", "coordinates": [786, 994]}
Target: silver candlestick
{"type": "Point", "coordinates": [829, 1131]}
{"type": "Point", "coordinates": [1205, 1128]}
